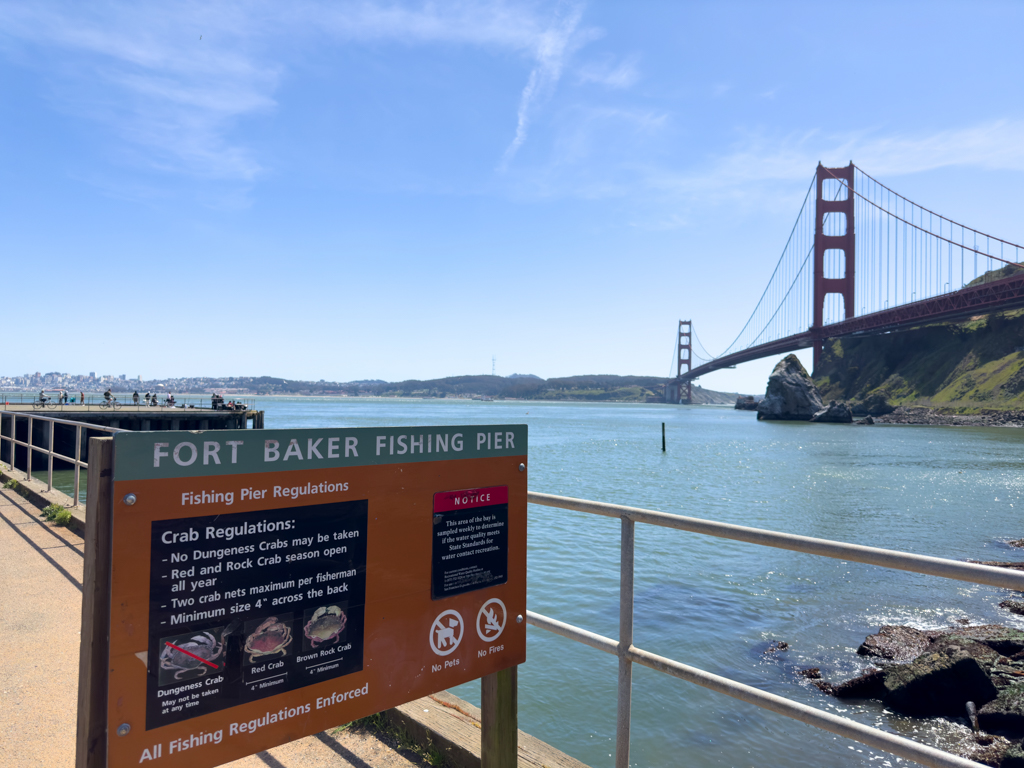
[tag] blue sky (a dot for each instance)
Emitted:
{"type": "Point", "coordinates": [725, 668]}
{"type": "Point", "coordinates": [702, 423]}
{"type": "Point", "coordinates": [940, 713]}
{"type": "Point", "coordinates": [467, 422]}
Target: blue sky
{"type": "Point", "coordinates": [404, 190]}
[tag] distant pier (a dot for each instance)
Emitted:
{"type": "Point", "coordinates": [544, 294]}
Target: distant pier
{"type": "Point", "coordinates": [145, 418]}
{"type": "Point", "coordinates": [49, 426]}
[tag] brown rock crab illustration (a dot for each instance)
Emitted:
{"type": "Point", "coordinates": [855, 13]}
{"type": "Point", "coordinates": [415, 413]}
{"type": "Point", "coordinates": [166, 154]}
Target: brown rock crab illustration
{"type": "Point", "coordinates": [204, 646]}
{"type": "Point", "coordinates": [325, 626]}
{"type": "Point", "coordinates": [272, 637]}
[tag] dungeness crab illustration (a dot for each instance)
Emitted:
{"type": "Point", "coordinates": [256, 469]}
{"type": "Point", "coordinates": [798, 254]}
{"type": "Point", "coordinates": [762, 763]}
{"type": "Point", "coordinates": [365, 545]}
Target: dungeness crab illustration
{"type": "Point", "coordinates": [272, 637]}
{"type": "Point", "coordinates": [326, 625]}
{"type": "Point", "coordinates": [191, 655]}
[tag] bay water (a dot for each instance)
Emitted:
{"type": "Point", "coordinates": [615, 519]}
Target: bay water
{"type": "Point", "coordinates": [717, 604]}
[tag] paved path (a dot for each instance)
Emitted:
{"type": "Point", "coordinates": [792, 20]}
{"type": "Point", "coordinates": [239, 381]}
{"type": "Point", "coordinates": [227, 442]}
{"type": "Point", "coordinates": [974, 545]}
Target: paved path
{"type": "Point", "coordinates": [40, 616]}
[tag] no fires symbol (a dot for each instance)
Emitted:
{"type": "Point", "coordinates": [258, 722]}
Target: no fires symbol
{"type": "Point", "coordinates": [446, 632]}
{"type": "Point", "coordinates": [490, 620]}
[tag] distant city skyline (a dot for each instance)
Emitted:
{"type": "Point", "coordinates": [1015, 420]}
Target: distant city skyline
{"type": "Point", "coordinates": [487, 386]}
{"type": "Point", "coordinates": [406, 189]}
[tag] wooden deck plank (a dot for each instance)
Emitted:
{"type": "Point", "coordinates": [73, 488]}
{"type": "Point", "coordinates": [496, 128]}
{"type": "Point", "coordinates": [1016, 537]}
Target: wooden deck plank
{"type": "Point", "coordinates": [453, 726]}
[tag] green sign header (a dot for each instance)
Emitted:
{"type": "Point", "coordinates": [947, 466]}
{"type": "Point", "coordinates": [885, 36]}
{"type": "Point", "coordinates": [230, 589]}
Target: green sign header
{"type": "Point", "coordinates": [154, 455]}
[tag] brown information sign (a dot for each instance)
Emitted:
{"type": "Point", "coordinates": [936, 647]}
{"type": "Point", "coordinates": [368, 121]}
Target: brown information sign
{"type": "Point", "coordinates": [269, 585]}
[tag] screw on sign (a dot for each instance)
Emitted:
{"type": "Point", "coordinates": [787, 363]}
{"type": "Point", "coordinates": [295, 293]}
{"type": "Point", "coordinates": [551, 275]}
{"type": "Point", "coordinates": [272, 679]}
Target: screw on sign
{"type": "Point", "coordinates": [446, 632]}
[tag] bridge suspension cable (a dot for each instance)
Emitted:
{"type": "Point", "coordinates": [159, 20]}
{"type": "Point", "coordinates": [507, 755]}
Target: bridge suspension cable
{"type": "Point", "coordinates": [907, 253]}
{"type": "Point", "coordinates": [902, 253]}
{"type": "Point", "coordinates": [785, 308]}
{"type": "Point", "coordinates": [706, 357]}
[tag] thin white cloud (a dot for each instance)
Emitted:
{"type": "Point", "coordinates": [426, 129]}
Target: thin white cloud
{"type": "Point", "coordinates": [171, 97]}
{"type": "Point", "coordinates": [623, 74]}
{"type": "Point", "coordinates": [994, 145]}
{"type": "Point", "coordinates": [144, 71]}
{"type": "Point", "coordinates": [615, 154]}
{"type": "Point", "coordinates": [556, 44]}
{"type": "Point", "coordinates": [757, 160]}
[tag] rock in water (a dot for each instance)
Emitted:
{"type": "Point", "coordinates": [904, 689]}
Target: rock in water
{"type": "Point", "coordinates": [868, 685]}
{"type": "Point", "coordinates": [791, 395]}
{"type": "Point", "coordinates": [937, 684]}
{"type": "Point", "coordinates": [1006, 713]}
{"type": "Point", "coordinates": [1014, 757]}
{"type": "Point", "coordinates": [835, 413]}
{"type": "Point", "coordinates": [746, 403]}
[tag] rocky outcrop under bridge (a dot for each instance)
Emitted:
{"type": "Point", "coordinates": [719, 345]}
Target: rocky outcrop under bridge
{"type": "Point", "coordinates": [791, 395]}
{"type": "Point", "coordinates": [834, 413]}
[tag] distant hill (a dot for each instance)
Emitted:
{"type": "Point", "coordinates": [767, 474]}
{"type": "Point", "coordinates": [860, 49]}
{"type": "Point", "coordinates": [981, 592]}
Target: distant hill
{"type": "Point", "coordinates": [595, 387]}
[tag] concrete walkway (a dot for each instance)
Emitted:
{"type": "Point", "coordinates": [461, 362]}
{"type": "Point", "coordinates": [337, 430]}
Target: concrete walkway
{"type": "Point", "coordinates": [40, 616]}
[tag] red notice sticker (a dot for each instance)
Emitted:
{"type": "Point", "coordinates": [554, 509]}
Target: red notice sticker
{"type": "Point", "coordinates": [449, 501]}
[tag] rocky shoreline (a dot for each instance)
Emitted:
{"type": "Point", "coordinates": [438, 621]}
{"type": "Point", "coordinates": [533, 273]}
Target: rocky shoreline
{"type": "Point", "coordinates": [971, 674]}
{"type": "Point", "coordinates": [792, 396]}
{"type": "Point", "coordinates": [916, 414]}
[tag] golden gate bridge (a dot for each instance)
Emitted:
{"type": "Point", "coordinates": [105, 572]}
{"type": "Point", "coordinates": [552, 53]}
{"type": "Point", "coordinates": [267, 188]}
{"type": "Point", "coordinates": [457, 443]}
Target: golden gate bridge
{"type": "Point", "coordinates": [862, 259]}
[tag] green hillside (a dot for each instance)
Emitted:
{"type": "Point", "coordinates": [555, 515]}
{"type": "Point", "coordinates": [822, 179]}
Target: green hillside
{"type": "Point", "coordinates": [969, 367]}
{"type": "Point", "coordinates": [610, 388]}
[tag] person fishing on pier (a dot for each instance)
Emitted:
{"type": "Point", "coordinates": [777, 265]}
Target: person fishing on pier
{"type": "Point", "coordinates": [135, 397]}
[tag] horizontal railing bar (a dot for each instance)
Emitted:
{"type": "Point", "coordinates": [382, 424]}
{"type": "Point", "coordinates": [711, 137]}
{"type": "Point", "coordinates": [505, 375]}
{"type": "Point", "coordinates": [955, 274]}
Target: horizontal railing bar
{"type": "Point", "coordinates": [83, 424]}
{"type": "Point", "coordinates": [24, 444]}
{"type": "Point", "coordinates": [61, 456]}
{"type": "Point", "coordinates": [841, 726]}
{"type": "Point", "coordinates": [594, 640]}
{"type": "Point", "coordinates": [886, 558]}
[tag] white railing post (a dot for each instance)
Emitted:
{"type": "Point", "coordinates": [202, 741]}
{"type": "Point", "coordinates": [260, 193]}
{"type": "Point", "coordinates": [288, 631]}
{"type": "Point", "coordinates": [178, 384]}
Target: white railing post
{"type": "Point", "coordinates": [625, 693]}
{"type": "Point", "coordinates": [78, 462]}
{"type": "Point", "coordinates": [49, 460]}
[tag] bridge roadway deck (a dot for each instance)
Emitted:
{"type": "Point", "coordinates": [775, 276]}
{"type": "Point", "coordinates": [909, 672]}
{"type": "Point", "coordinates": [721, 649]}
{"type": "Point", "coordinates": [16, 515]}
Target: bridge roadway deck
{"type": "Point", "coordinates": [994, 296]}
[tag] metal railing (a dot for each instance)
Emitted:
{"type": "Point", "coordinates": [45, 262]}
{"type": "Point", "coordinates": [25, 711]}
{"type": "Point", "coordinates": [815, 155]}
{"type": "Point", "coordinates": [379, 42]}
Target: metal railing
{"type": "Point", "coordinates": [629, 654]}
{"type": "Point", "coordinates": [76, 460]}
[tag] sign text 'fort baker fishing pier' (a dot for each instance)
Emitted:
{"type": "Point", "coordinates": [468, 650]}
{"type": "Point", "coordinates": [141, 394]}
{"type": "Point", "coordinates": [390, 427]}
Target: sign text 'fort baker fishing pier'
{"type": "Point", "coordinates": [264, 587]}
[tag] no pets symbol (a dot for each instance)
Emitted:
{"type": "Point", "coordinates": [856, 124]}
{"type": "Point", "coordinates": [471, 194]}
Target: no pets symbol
{"type": "Point", "coordinates": [446, 633]}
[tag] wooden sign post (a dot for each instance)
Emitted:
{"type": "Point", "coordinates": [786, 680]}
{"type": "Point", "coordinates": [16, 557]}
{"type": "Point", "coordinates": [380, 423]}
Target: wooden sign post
{"type": "Point", "coordinates": [247, 589]}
